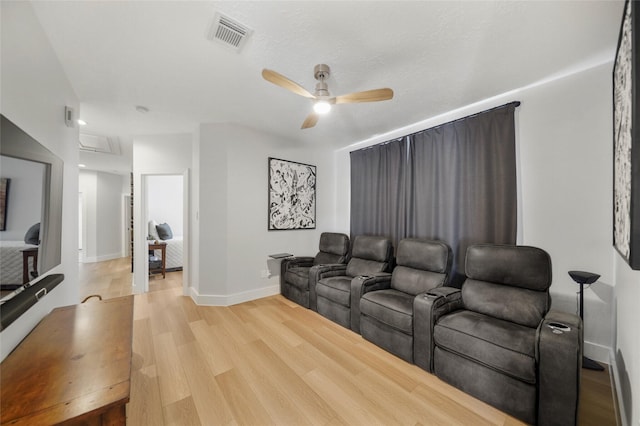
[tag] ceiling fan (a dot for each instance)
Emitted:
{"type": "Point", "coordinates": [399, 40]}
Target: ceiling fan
{"type": "Point", "coordinates": [322, 98]}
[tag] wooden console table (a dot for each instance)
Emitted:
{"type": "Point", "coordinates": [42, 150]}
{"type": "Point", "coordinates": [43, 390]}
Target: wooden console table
{"type": "Point", "coordinates": [73, 368]}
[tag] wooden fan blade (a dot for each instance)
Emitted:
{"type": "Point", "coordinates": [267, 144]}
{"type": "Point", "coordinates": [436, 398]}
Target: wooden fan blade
{"type": "Point", "coordinates": [282, 81]}
{"type": "Point", "coordinates": [310, 121]}
{"type": "Point", "coordinates": [366, 96]}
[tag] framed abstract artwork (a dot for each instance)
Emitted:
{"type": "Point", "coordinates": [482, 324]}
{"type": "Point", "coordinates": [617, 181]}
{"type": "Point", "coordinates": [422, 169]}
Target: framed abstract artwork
{"type": "Point", "coordinates": [4, 199]}
{"type": "Point", "coordinates": [626, 139]}
{"type": "Point", "coordinates": [292, 195]}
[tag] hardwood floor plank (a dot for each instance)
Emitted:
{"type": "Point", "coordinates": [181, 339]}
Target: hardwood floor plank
{"type": "Point", "coordinates": [416, 408]}
{"type": "Point", "coordinates": [207, 396]}
{"type": "Point", "coordinates": [178, 324]}
{"type": "Point", "coordinates": [143, 352]}
{"type": "Point", "coordinates": [282, 377]}
{"type": "Point", "coordinates": [236, 327]}
{"type": "Point", "coordinates": [283, 409]}
{"type": "Point", "coordinates": [394, 368]}
{"type": "Point", "coordinates": [181, 413]}
{"type": "Point", "coordinates": [189, 308]}
{"type": "Point", "coordinates": [290, 355]}
{"type": "Point", "coordinates": [276, 327]}
{"type": "Point", "coordinates": [145, 405]}
{"type": "Point", "coordinates": [211, 316]}
{"type": "Point", "coordinates": [243, 402]}
{"type": "Point", "coordinates": [350, 407]}
{"type": "Point", "coordinates": [431, 384]}
{"type": "Point", "coordinates": [173, 383]}
{"type": "Point", "coordinates": [217, 357]}
{"type": "Point", "coordinates": [337, 354]}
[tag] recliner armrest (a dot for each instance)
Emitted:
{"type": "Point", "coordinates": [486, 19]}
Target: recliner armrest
{"type": "Point", "coordinates": [330, 270]}
{"type": "Point", "coordinates": [316, 273]}
{"type": "Point", "coordinates": [363, 284]}
{"type": "Point", "coordinates": [427, 309]}
{"type": "Point", "coordinates": [290, 262]}
{"type": "Point", "coordinates": [559, 356]}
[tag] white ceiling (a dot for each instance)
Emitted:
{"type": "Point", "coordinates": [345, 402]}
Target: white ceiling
{"type": "Point", "coordinates": [436, 56]}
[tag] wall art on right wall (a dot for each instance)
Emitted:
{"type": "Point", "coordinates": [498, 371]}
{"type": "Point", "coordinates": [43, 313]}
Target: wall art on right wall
{"type": "Point", "coordinates": [626, 140]}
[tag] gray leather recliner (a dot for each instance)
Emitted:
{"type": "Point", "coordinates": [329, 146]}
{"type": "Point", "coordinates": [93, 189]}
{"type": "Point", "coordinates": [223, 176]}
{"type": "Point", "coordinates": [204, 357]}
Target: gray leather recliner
{"type": "Point", "coordinates": [497, 340]}
{"type": "Point", "coordinates": [386, 315]}
{"type": "Point", "coordinates": [297, 281]}
{"type": "Point", "coordinates": [338, 286]}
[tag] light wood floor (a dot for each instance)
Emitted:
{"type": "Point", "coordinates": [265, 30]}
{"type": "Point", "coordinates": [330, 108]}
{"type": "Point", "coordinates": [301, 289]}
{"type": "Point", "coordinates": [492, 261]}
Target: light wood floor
{"type": "Point", "coordinates": [271, 361]}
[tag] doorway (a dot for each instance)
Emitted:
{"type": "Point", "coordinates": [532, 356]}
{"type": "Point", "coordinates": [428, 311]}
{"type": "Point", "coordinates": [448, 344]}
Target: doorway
{"type": "Point", "coordinates": [165, 219]}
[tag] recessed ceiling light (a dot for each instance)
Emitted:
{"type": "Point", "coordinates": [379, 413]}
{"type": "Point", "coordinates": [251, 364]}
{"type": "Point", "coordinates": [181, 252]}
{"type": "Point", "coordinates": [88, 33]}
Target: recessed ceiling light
{"type": "Point", "coordinates": [82, 165]}
{"type": "Point", "coordinates": [142, 109]}
{"type": "Point", "coordinates": [81, 122]}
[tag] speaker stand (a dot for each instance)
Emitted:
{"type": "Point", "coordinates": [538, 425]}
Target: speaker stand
{"type": "Point", "coordinates": [587, 363]}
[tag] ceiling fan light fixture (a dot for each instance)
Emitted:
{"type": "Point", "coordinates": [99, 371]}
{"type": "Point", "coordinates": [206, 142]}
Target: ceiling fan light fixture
{"type": "Point", "coordinates": [322, 107]}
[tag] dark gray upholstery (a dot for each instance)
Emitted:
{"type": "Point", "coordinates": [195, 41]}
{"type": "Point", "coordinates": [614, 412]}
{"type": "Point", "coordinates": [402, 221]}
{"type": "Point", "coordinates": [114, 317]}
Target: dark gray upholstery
{"type": "Point", "coordinates": [367, 269]}
{"type": "Point", "coordinates": [492, 340]}
{"type": "Point", "coordinates": [387, 315]}
{"type": "Point", "coordinates": [296, 273]}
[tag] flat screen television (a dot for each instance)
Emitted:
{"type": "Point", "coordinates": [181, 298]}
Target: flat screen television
{"type": "Point", "coordinates": [35, 193]}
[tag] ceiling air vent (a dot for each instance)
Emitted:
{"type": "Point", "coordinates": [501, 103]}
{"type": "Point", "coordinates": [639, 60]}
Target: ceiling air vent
{"type": "Point", "coordinates": [229, 32]}
{"type": "Point", "coordinates": [99, 143]}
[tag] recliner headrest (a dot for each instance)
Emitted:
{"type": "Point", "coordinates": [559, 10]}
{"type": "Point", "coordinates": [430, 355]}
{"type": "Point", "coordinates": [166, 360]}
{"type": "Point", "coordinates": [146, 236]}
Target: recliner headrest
{"type": "Point", "coordinates": [519, 266]}
{"type": "Point", "coordinates": [334, 243]}
{"type": "Point", "coordinates": [423, 254]}
{"type": "Point", "coordinates": [372, 248]}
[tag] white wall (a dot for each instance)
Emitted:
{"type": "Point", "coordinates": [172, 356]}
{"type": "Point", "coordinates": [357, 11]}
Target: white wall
{"type": "Point", "coordinates": [103, 219]}
{"type": "Point", "coordinates": [563, 133]}
{"type": "Point", "coordinates": [35, 91]}
{"type": "Point", "coordinates": [566, 153]}
{"type": "Point", "coordinates": [164, 197]}
{"type": "Point", "coordinates": [24, 203]}
{"type": "Point", "coordinates": [156, 155]}
{"type": "Point", "coordinates": [232, 227]}
{"type": "Point", "coordinates": [627, 345]}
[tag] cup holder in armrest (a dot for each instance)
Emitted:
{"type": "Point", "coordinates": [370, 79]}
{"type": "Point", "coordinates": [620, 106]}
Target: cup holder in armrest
{"type": "Point", "coordinates": [558, 327]}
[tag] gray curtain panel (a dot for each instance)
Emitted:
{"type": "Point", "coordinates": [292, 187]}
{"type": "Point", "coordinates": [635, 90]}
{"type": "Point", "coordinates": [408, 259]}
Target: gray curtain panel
{"type": "Point", "coordinates": [463, 183]}
{"type": "Point", "coordinates": [378, 190]}
{"type": "Point", "coordinates": [455, 182]}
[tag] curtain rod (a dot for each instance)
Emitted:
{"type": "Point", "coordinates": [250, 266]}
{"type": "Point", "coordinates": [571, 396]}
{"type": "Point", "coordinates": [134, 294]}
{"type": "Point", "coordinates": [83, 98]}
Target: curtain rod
{"type": "Point", "coordinates": [515, 104]}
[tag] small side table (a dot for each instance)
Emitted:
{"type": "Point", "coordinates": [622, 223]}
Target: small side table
{"type": "Point", "coordinates": [163, 252]}
{"type": "Point", "coordinates": [31, 252]}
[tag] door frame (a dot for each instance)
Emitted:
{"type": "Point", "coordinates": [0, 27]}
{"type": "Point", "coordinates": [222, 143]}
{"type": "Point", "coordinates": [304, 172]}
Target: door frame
{"type": "Point", "coordinates": [142, 231]}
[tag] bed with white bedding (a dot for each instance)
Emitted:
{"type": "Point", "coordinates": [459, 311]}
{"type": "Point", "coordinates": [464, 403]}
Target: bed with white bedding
{"type": "Point", "coordinates": [174, 253]}
{"type": "Point", "coordinates": [11, 261]}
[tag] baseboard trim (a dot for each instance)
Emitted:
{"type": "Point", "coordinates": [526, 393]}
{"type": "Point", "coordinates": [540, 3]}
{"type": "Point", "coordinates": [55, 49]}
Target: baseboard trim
{"type": "Point", "coordinates": [597, 352]}
{"type": "Point", "coordinates": [102, 258]}
{"type": "Point", "coordinates": [232, 299]}
{"type": "Point", "coordinates": [618, 401]}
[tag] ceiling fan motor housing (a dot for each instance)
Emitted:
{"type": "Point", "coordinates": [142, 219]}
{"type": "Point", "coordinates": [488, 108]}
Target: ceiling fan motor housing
{"type": "Point", "coordinates": [321, 72]}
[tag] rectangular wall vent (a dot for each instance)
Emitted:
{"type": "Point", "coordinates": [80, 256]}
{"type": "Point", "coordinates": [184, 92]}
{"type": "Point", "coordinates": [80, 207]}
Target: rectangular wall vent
{"type": "Point", "coordinates": [229, 32]}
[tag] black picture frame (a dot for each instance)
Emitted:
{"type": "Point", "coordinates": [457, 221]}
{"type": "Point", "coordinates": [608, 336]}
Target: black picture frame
{"type": "Point", "coordinates": [292, 195]}
{"type": "Point", "coordinates": [4, 202]}
{"type": "Point", "coordinates": [626, 139]}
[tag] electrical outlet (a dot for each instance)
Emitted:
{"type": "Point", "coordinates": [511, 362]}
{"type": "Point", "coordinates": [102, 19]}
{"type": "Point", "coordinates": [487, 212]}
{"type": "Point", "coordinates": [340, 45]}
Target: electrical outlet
{"type": "Point", "coordinates": [265, 273]}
